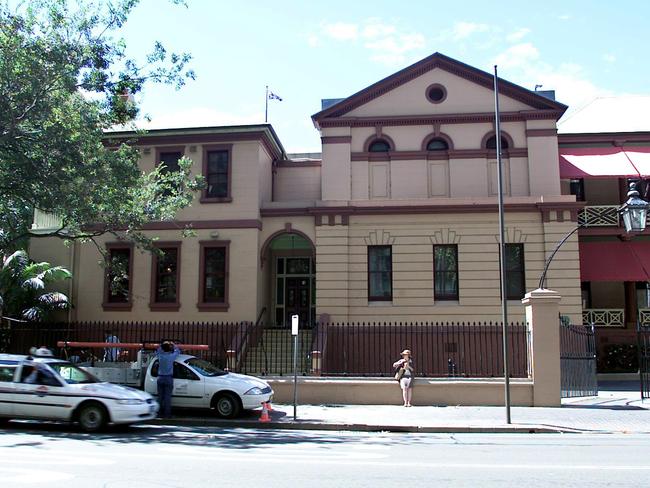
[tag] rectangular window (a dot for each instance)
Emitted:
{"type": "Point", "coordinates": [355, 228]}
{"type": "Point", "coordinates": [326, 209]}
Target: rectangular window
{"type": "Point", "coordinates": [118, 277]}
{"type": "Point", "coordinates": [169, 157]}
{"type": "Point", "coordinates": [445, 272]}
{"type": "Point", "coordinates": [577, 188]}
{"type": "Point", "coordinates": [380, 273]}
{"type": "Point", "coordinates": [217, 173]}
{"type": "Point", "coordinates": [165, 277]}
{"type": "Point", "coordinates": [515, 272]}
{"type": "Point", "coordinates": [213, 292]}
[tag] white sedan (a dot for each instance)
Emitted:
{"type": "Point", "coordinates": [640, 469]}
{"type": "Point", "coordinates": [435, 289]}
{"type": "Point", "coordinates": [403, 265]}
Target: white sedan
{"type": "Point", "coordinates": [200, 384]}
{"type": "Point", "coordinates": [47, 388]}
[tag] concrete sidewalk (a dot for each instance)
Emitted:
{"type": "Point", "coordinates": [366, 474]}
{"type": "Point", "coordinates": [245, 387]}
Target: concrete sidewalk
{"type": "Point", "coordinates": [617, 408]}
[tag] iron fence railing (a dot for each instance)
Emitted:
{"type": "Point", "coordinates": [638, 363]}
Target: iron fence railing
{"type": "Point", "coordinates": [334, 349]}
{"type": "Point", "coordinates": [577, 360]}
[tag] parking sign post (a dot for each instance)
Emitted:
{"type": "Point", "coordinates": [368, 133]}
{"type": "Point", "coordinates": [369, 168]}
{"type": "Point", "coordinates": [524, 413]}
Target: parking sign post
{"type": "Point", "coordinates": [294, 333]}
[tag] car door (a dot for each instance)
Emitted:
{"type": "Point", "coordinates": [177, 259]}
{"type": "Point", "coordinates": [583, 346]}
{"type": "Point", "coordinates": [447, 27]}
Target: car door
{"type": "Point", "coordinates": [7, 387]}
{"type": "Point", "coordinates": [40, 394]}
{"type": "Point", "coordinates": [188, 388]}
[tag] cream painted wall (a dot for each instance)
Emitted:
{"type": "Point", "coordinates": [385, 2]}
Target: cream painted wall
{"type": "Point", "coordinates": [264, 171]}
{"type": "Point", "coordinates": [298, 184]}
{"type": "Point", "coordinates": [342, 265]}
{"type": "Point", "coordinates": [463, 96]}
{"type": "Point", "coordinates": [336, 172]}
{"type": "Point", "coordinates": [544, 166]}
{"type": "Point", "coordinates": [242, 283]}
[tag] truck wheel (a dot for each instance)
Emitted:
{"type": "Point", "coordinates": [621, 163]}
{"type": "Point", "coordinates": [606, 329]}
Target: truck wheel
{"type": "Point", "coordinates": [226, 405]}
{"type": "Point", "coordinates": [92, 417]}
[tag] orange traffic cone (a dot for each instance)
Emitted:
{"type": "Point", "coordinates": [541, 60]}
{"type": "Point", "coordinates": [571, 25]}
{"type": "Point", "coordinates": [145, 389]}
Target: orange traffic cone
{"type": "Point", "coordinates": [268, 406]}
{"type": "Point", "coordinates": [265, 414]}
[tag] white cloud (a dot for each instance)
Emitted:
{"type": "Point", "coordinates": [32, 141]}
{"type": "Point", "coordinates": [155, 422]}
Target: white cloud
{"type": "Point", "coordinates": [518, 35]}
{"type": "Point", "coordinates": [610, 58]}
{"type": "Point", "coordinates": [386, 43]}
{"type": "Point", "coordinates": [463, 30]}
{"type": "Point", "coordinates": [341, 31]}
{"type": "Point", "coordinates": [564, 17]}
{"type": "Point", "coordinates": [522, 64]}
{"type": "Point", "coordinates": [375, 28]}
{"type": "Point", "coordinates": [517, 56]}
{"type": "Point", "coordinates": [313, 40]}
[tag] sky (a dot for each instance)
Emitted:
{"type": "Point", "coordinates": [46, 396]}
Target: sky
{"type": "Point", "coordinates": [307, 50]}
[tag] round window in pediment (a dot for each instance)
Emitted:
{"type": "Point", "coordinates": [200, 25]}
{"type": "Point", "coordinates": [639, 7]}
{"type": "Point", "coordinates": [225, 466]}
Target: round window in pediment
{"type": "Point", "coordinates": [436, 93]}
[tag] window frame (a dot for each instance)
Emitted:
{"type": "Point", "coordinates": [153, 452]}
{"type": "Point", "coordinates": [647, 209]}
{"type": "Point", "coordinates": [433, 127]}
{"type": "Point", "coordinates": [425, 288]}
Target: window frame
{"type": "Point", "coordinates": [374, 298]}
{"type": "Point", "coordinates": [168, 306]}
{"type": "Point", "coordinates": [204, 193]}
{"type": "Point", "coordinates": [522, 271]}
{"type": "Point", "coordinates": [442, 296]}
{"type": "Point", "coordinates": [106, 303]}
{"type": "Point", "coordinates": [202, 305]}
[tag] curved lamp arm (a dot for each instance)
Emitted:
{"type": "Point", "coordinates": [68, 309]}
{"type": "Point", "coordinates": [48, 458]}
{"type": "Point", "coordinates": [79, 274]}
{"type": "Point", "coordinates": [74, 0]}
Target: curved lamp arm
{"type": "Point", "coordinates": [542, 279]}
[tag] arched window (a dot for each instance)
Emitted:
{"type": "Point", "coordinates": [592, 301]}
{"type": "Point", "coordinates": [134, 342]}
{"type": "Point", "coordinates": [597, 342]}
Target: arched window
{"type": "Point", "coordinates": [437, 144]}
{"type": "Point", "coordinates": [491, 143]}
{"type": "Point", "coordinates": [379, 145]}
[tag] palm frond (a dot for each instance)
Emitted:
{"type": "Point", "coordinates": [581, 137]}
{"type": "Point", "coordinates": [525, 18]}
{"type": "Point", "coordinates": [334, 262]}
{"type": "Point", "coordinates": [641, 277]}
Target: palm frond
{"type": "Point", "coordinates": [34, 284]}
{"type": "Point", "coordinates": [34, 314]}
{"type": "Point", "coordinates": [16, 262]}
{"type": "Point", "coordinates": [55, 300]}
{"type": "Point", "coordinates": [56, 273]}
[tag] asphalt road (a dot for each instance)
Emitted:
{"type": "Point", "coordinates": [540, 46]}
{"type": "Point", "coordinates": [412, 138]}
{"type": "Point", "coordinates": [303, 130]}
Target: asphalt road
{"type": "Point", "coordinates": [48, 455]}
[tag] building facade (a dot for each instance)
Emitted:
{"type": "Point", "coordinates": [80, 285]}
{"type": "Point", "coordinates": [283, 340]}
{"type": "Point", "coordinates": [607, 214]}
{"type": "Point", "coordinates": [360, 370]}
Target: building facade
{"type": "Point", "coordinates": [396, 221]}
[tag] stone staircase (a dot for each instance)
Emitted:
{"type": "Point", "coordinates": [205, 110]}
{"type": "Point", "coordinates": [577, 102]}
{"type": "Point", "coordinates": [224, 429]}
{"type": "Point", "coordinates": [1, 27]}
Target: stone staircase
{"type": "Point", "coordinates": [273, 354]}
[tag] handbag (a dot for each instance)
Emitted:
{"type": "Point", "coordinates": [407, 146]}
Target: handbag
{"type": "Point", "coordinates": [399, 374]}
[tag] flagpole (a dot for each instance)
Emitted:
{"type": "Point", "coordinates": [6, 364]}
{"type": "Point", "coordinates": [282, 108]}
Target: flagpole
{"type": "Point", "coordinates": [502, 249]}
{"type": "Point", "coordinates": [266, 106]}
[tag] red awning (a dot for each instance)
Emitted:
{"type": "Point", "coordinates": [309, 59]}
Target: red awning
{"type": "Point", "coordinates": [615, 261]}
{"type": "Point", "coordinates": [595, 162]}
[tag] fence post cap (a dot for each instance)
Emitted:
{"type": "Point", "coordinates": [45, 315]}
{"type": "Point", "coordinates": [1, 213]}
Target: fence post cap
{"type": "Point", "coordinates": [541, 294]}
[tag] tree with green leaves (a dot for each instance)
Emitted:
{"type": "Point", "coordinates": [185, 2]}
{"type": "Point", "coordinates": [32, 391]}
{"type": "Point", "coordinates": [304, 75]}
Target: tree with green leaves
{"type": "Point", "coordinates": [66, 79]}
{"type": "Point", "coordinates": [25, 288]}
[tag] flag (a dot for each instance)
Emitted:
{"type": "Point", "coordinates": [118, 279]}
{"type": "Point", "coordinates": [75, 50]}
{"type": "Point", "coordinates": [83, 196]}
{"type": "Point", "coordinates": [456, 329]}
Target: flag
{"type": "Point", "coordinates": [273, 96]}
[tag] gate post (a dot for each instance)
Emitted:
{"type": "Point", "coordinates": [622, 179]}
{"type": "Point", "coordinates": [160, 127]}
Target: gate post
{"type": "Point", "coordinates": [542, 312]}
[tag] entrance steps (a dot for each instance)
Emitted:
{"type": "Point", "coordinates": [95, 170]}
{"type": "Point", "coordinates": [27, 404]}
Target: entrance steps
{"type": "Point", "coordinates": [273, 354]}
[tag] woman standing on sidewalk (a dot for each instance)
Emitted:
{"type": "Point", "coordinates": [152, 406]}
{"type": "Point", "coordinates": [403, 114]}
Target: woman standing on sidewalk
{"type": "Point", "coordinates": [407, 371]}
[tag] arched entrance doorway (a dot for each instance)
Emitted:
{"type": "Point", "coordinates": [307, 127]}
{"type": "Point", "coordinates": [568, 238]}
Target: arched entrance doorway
{"type": "Point", "coordinates": [288, 259]}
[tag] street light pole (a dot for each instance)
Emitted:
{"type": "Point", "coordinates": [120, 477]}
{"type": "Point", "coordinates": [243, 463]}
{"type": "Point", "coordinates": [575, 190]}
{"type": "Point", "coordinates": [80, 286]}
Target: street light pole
{"type": "Point", "coordinates": [502, 250]}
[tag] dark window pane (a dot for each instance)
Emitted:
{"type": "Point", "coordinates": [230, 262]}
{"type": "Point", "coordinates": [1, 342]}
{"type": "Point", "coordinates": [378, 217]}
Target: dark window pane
{"type": "Point", "coordinates": [577, 188]}
{"type": "Point", "coordinates": [217, 174]}
{"type": "Point", "coordinates": [445, 272]}
{"type": "Point", "coordinates": [281, 266]}
{"type": "Point", "coordinates": [297, 265]}
{"type": "Point", "coordinates": [379, 146]}
{"type": "Point", "coordinates": [170, 160]}
{"type": "Point", "coordinates": [279, 291]}
{"type": "Point", "coordinates": [119, 275]}
{"type": "Point", "coordinates": [515, 272]}
{"type": "Point", "coordinates": [437, 145]}
{"type": "Point", "coordinates": [380, 276]}
{"type": "Point", "coordinates": [214, 285]}
{"type": "Point", "coordinates": [492, 143]}
{"type": "Point", "coordinates": [167, 276]}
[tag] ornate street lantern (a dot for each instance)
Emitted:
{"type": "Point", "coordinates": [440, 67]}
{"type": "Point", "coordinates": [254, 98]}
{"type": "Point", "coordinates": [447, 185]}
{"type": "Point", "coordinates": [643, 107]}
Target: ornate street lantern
{"type": "Point", "coordinates": [634, 211]}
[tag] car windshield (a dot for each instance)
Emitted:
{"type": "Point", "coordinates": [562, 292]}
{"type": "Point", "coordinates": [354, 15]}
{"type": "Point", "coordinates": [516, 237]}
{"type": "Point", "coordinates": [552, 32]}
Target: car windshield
{"type": "Point", "coordinates": [205, 368]}
{"type": "Point", "coordinates": [72, 374]}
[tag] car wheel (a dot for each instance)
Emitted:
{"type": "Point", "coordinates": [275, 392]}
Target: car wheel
{"type": "Point", "coordinates": [92, 417]}
{"type": "Point", "coordinates": [226, 405]}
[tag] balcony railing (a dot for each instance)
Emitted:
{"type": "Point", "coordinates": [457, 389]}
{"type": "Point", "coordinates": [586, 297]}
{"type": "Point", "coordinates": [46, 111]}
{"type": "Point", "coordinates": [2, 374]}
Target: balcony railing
{"type": "Point", "coordinates": [45, 222]}
{"type": "Point", "coordinates": [599, 216]}
{"type": "Point", "coordinates": [605, 317]}
{"type": "Point", "coordinates": [644, 316]}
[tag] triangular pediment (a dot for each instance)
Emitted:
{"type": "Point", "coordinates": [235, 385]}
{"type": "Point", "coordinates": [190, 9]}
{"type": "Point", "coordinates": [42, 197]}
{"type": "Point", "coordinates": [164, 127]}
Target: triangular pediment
{"type": "Point", "coordinates": [466, 90]}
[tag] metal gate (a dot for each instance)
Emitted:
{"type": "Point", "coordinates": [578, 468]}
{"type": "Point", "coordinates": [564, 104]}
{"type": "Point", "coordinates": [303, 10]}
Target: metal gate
{"type": "Point", "coordinates": [578, 360]}
{"type": "Point", "coordinates": [643, 334]}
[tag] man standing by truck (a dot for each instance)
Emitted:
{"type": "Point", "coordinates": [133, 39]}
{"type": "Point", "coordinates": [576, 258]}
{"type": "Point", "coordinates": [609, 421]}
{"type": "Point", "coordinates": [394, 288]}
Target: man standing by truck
{"type": "Point", "coordinates": [166, 354]}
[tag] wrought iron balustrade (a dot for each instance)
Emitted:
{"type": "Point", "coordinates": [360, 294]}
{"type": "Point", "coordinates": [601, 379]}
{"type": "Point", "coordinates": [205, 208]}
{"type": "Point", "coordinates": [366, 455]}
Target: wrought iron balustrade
{"type": "Point", "coordinates": [599, 216]}
{"type": "Point", "coordinates": [644, 317]}
{"type": "Point", "coordinates": [604, 317]}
